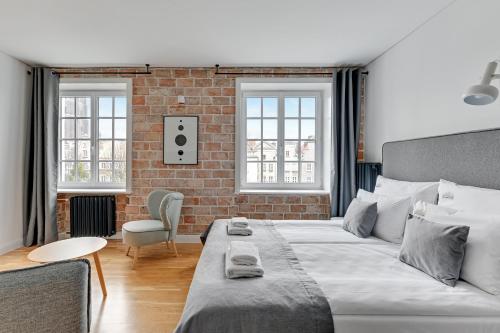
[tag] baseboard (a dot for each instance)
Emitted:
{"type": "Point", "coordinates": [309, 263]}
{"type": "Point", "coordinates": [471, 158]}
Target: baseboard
{"type": "Point", "coordinates": [187, 239]}
{"type": "Point", "coordinates": [179, 239]}
{"type": "Point", "coordinates": [13, 245]}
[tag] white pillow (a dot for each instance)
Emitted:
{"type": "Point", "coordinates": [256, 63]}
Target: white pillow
{"type": "Point", "coordinates": [469, 198]}
{"type": "Point", "coordinates": [481, 266]}
{"type": "Point", "coordinates": [417, 191]}
{"type": "Point", "coordinates": [392, 214]}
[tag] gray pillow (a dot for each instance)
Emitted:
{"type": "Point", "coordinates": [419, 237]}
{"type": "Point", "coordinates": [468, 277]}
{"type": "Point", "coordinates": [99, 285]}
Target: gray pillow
{"type": "Point", "coordinates": [360, 217]}
{"type": "Point", "coordinates": [434, 248]}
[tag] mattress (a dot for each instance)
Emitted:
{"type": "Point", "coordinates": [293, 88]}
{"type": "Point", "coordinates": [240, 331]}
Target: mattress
{"type": "Point", "coordinates": [370, 290]}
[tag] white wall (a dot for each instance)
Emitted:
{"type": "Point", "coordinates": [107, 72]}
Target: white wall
{"type": "Point", "coordinates": [13, 102]}
{"type": "Point", "coordinates": [414, 89]}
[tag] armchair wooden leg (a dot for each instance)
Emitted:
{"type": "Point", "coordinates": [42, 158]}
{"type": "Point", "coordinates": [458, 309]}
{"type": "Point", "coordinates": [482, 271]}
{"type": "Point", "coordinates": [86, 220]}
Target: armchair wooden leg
{"type": "Point", "coordinates": [175, 248]}
{"type": "Point", "coordinates": [128, 251]}
{"type": "Point", "coordinates": [136, 255]}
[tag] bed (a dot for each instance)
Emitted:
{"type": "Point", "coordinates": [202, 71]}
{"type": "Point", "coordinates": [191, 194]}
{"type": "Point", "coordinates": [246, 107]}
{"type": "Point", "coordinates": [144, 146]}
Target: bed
{"type": "Point", "coordinates": [320, 278]}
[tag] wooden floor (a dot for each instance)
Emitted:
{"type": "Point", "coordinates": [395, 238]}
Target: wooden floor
{"type": "Point", "coordinates": [147, 299]}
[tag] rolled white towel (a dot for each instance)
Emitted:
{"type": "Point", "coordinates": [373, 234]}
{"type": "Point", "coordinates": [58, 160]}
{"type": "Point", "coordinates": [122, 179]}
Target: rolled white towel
{"type": "Point", "coordinates": [241, 222]}
{"type": "Point", "coordinates": [243, 253]}
{"type": "Point", "coordinates": [238, 231]}
{"type": "Point", "coordinates": [234, 271]}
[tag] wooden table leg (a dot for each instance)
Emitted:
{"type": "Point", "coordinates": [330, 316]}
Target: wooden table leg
{"type": "Point", "coordinates": [99, 273]}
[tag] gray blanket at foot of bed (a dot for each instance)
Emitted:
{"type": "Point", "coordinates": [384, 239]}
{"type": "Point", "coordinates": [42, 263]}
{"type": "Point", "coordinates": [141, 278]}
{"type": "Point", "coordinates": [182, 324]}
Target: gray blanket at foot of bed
{"type": "Point", "coordinates": [285, 300]}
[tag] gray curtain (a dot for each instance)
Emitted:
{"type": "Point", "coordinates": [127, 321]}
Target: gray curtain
{"type": "Point", "coordinates": [366, 175]}
{"type": "Point", "coordinates": [345, 136]}
{"type": "Point", "coordinates": [40, 201]}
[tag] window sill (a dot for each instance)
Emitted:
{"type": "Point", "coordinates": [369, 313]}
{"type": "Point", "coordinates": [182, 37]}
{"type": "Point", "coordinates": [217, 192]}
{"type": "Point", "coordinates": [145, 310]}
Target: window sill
{"type": "Point", "coordinates": [260, 191]}
{"type": "Point", "coordinates": [93, 191]}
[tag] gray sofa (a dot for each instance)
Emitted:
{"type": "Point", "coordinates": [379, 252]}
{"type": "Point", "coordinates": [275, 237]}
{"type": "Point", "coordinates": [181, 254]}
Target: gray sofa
{"type": "Point", "coordinates": [50, 298]}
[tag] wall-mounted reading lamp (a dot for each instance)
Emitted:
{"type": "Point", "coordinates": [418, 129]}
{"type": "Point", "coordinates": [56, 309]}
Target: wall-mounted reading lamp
{"type": "Point", "coordinates": [483, 93]}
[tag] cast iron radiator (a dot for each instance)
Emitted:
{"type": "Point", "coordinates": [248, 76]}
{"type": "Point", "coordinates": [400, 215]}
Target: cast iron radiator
{"type": "Point", "coordinates": [92, 216]}
{"type": "Point", "coordinates": [366, 175]}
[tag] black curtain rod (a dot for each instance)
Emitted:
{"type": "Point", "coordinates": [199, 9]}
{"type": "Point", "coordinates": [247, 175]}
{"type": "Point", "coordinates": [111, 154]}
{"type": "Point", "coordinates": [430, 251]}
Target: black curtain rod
{"type": "Point", "coordinates": [217, 72]}
{"type": "Point", "coordinates": [147, 72]}
{"type": "Point", "coordinates": [217, 67]}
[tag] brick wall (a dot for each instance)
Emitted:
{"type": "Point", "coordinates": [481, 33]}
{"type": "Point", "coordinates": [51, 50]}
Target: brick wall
{"type": "Point", "coordinates": [209, 186]}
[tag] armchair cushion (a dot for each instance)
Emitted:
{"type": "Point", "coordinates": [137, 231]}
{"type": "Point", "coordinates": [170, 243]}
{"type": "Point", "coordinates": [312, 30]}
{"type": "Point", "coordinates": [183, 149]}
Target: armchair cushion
{"type": "Point", "coordinates": [145, 232]}
{"type": "Point", "coordinates": [144, 226]}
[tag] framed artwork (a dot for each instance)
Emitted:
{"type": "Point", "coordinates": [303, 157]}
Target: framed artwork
{"type": "Point", "coordinates": [180, 140]}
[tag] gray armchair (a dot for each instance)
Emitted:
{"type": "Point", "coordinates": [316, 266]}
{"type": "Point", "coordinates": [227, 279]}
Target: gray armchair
{"type": "Point", "coordinates": [165, 210]}
{"type": "Point", "coordinates": [49, 298]}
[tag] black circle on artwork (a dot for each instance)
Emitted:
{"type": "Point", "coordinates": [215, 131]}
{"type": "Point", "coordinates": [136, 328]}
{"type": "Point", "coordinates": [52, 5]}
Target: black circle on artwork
{"type": "Point", "coordinates": [180, 152]}
{"type": "Point", "coordinates": [180, 127]}
{"type": "Point", "coordinates": [180, 140]}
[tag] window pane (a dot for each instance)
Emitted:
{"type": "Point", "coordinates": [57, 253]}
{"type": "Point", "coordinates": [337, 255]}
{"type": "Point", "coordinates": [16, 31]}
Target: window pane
{"type": "Point", "coordinates": [253, 128]}
{"type": "Point", "coordinates": [68, 149]}
{"type": "Point", "coordinates": [120, 128]}
{"type": "Point", "coordinates": [68, 107]}
{"type": "Point", "coordinates": [291, 107]}
{"type": "Point", "coordinates": [105, 149]}
{"type": "Point", "coordinates": [68, 129]}
{"type": "Point", "coordinates": [291, 129]}
{"type": "Point", "coordinates": [83, 171]}
{"type": "Point", "coordinates": [307, 173]}
{"type": "Point", "coordinates": [308, 151]}
{"type": "Point", "coordinates": [308, 129]}
{"type": "Point", "coordinates": [270, 129]}
{"type": "Point", "coordinates": [308, 107]}
{"type": "Point", "coordinates": [120, 173]}
{"type": "Point", "coordinates": [84, 150]}
{"type": "Point", "coordinates": [253, 107]}
{"type": "Point", "coordinates": [105, 128]}
{"type": "Point", "coordinates": [120, 107]}
{"type": "Point", "coordinates": [270, 173]}
{"type": "Point", "coordinates": [270, 150]}
{"type": "Point", "coordinates": [253, 150]}
{"type": "Point", "coordinates": [83, 106]}
{"type": "Point", "coordinates": [291, 172]}
{"type": "Point", "coordinates": [291, 151]}
{"type": "Point", "coordinates": [105, 172]}
{"type": "Point", "coordinates": [253, 172]}
{"type": "Point", "coordinates": [83, 128]}
{"type": "Point", "coordinates": [105, 106]}
{"type": "Point", "coordinates": [68, 172]}
{"type": "Point", "coordinates": [270, 107]}
{"type": "Point", "coordinates": [120, 150]}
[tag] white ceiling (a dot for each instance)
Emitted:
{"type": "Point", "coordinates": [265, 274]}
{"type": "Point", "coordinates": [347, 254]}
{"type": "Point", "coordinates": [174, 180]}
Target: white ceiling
{"type": "Point", "coordinates": [203, 32]}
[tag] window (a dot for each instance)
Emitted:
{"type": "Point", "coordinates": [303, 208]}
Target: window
{"type": "Point", "coordinates": [283, 134]}
{"type": "Point", "coordinates": [94, 147]}
{"type": "Point", "coordinates": [279, 137]}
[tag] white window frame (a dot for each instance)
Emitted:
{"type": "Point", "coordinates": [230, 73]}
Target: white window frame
{"type": "Point", "coordinates": [281, 87]}
{"type": "Point", "coordinates": [95, 87]}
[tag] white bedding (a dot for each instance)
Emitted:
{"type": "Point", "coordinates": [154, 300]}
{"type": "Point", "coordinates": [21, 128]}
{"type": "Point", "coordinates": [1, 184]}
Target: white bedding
{"type": "Point", "coordinates": [370, 290]}
{"type": "Point", "coordinates": [320, 232]}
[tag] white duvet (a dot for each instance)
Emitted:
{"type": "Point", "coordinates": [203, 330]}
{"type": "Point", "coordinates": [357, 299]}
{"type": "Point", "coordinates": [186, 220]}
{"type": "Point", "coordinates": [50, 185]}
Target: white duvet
{"type": "Point", "coordinates": [370, 290]}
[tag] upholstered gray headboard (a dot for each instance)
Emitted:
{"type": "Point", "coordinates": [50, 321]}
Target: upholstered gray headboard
{"type": "Point", "coordinates": [471, 158]}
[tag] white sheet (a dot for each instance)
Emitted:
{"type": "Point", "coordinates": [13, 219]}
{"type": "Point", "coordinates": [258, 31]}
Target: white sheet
{"type": "Point", "coordinates": [329, 231]}
{"type": "Point", "coordinates": [370, 290]}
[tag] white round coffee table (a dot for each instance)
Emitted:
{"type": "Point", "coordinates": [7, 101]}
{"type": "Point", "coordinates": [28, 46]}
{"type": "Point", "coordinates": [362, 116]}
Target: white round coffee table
{"type": "Point", "coordinates": [70, 249]}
